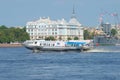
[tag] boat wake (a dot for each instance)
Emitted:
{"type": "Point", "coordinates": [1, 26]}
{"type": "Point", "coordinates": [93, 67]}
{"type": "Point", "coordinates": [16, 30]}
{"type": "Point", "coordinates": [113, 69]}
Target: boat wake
{"type": "Point", "coordinates": [105, 49]}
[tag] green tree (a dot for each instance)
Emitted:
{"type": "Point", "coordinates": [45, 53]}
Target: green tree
{"type": "Point", "coordinates": [68, 38]}
{"type": "Point", "coordinates": [12, 34]}
{"type": "Point", "coordinates": [113, 32]}
{"type": "Point", "coordinates": [3, 27]}
{"type": "Point", "coordinates": [60, 38]}
{"type": "Point", "coordinates": [86, 34]}
{"type": "Point", "coordinates": [76, 38]}
{"type": "Point", "coordinates": [50, 38]}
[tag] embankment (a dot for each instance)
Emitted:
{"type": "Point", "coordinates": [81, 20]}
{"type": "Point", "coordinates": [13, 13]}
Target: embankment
{"type": "Point", "coordinates": [10, 45]}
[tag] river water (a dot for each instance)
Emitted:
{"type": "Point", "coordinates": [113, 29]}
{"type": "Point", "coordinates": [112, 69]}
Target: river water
{"type": "Point", "coordinates": [22, 64]}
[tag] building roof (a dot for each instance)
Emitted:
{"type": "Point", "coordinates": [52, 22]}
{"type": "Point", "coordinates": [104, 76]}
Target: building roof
{"type": "Point", "coordinates": [72, 21]}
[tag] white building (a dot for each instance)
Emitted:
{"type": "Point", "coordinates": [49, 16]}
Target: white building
{"type": "Point", "coordinates": [60, 29]}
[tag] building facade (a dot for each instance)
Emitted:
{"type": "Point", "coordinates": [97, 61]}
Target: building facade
{"type": "Point", "coordinates": [60, 29]}
{"type": "Point", "coordinates": [106, 27]}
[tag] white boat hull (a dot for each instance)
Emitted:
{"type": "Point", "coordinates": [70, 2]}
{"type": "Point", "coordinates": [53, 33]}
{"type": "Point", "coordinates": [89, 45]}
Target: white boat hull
{"type": "Point", "coordinates": [40, 48]}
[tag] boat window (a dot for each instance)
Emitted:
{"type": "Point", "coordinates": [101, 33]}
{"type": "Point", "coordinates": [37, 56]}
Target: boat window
{"type": "Point", "coordinates": [35, 42]}
{"type": "Point", "coordinates": [53, 44]}
{"type": "Point", "coordinates": [58, 43]}
{"type": "Point", "coordinates": [72, 45]}
{"type": "Point", "coordinates": [44, 44]}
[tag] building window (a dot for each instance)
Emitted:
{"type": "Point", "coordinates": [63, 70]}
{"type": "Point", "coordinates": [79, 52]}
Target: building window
{"type": "Point", "coordinates": [52, 29]}
{"type": "Point", "coordinates": [31, 30]}
{"type": "Point", "coordinates": [35, 26]}
{"type": "Point", "coordinates": [53, 33]}
{"type": "Point", "coordinates": [55, 29]}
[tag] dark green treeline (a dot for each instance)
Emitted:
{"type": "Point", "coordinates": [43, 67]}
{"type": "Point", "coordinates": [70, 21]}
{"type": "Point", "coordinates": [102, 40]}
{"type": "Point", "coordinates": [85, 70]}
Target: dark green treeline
{"type": "Point", "coordinates": [12, 34]}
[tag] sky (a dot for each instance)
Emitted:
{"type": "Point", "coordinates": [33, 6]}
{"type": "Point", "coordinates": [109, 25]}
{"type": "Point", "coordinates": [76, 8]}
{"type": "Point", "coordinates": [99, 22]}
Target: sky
{"type": "Point", "coordinates": [88, 12]}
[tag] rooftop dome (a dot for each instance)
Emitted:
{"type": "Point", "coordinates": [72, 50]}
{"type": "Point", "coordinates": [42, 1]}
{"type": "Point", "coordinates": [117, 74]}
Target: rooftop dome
{"type": "Point", "coordinates": [74, 21]}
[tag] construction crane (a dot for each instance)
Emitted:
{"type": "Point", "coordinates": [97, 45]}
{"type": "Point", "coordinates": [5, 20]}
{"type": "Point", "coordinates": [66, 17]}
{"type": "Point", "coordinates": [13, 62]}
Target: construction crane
{"type": "Point", "coordinates": [114, 15]}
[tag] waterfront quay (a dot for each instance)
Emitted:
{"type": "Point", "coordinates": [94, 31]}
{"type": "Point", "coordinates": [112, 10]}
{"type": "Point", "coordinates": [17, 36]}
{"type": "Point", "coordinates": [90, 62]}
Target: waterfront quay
{"type": "Point", "coordinates": [5, 45]}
